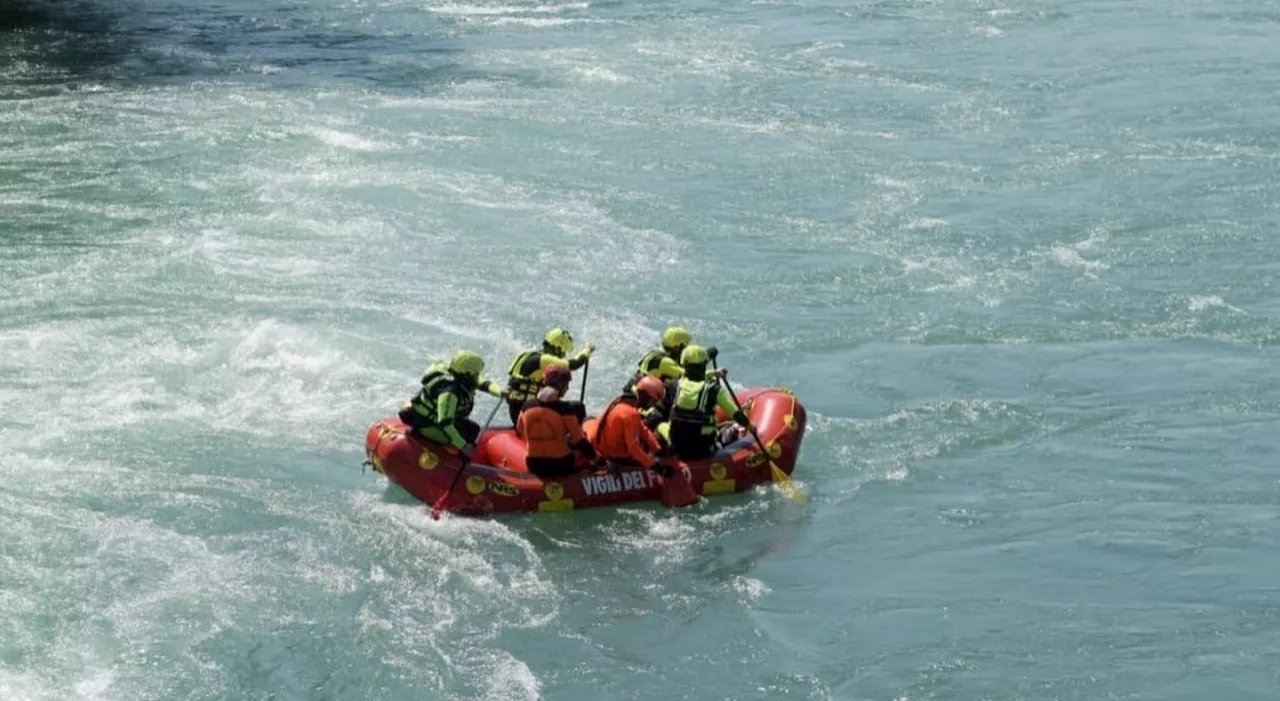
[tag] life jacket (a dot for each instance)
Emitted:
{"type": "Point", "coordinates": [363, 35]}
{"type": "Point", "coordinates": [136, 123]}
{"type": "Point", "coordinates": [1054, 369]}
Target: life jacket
{"type": "Point", "coordinates": [435, 382]}
{"type": "Point", "coordinates": [603, 422]}
{"type": "Point", "coordinates": [525, 376]}
{"type": "Point", "coordinates": [649, 365]}
{"type": "Point", "coordinates": [550, 430]}
{"type": "Point", "coordinates": [611, 439]}
{"type": "Point", "coordinates": [650, 362]}
{"type": "Point", "coordinates": [695, 405]}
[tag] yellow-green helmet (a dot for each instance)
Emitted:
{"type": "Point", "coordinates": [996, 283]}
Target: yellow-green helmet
{"type": "Point", "coordinates": [559, 340]}
{"type": "Point", "coordinates": [676, 338]}
{"type": "Point", "coordinates": [467, 363]}
{"type": "Point", "coordinates": [694, 355]}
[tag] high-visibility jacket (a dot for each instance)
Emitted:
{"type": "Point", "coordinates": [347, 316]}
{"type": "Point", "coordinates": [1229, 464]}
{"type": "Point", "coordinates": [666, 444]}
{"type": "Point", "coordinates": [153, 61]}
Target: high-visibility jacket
{"type": "Point", "coordinates": [622, 435]}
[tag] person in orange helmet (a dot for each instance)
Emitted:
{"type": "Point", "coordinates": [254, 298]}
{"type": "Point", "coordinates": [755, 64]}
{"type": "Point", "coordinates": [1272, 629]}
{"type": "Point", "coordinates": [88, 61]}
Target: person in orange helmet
{"type": "Point", "coordinates": [552, 428]}
{"type": "Point", "coordinates": [621, 435]}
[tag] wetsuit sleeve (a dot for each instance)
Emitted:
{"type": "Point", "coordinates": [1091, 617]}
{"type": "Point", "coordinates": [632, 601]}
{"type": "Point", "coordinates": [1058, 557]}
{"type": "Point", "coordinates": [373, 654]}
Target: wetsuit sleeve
{"type": "Point", "coordinates": [669, 368]}
{"type": "Point", "coordinates": [490, 387]}
{"type": "Point", "coordinates": [632, 432]}
{"type": "Point", "coordinates": [726, 402]}
{"type": "Point", "coordinates": [446, 406]}
{"type": "Point", "coordinates": [576, 438]}
{"type": "Point", "coordinates": [580, 359]}
{"type": "Point", "coordinates": [650, 441]}
{"type": "Point", "coordinates": [574, 426]}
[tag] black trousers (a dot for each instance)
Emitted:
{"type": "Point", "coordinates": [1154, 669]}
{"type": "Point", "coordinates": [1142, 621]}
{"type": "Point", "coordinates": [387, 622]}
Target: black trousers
{"type": "Point", "coordinates": [469, 429]}
{"type": "Point", "coordinates": [690, 443]}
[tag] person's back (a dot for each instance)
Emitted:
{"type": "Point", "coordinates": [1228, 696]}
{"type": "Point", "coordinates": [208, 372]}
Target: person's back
{"type": "Point", "coordinates": [551, 430]}
{"type": "Point", "coordinates": [691, 429]}
{"type": "Point", "coordinates": [621, 434]}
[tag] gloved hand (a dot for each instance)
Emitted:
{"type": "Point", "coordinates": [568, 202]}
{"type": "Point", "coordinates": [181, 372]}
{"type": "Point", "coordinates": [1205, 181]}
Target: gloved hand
{"type": "Point", "coordinates": [505, 395]}
{"type": "Point", "coordinates": [591, 348]}
{"type": "Point", "coordinates": [712, 352]}
{"type": "Point", "coordinates": [663, 470]}
{"type": "Point", "coordinates": [721, 373]}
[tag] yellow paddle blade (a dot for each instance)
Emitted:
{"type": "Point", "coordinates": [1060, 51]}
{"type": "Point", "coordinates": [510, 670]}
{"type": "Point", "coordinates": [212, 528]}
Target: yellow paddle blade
{"type": "Point", "coordinates": [785, 482]}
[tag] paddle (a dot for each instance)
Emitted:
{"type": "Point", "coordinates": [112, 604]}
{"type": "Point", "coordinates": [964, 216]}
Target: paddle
{"type": "Point", "coordinates": [439, 505]}
{"type": "Point", "coordinates": [582, 391]}
{"type": "Point", "coordinates": [783, 480]}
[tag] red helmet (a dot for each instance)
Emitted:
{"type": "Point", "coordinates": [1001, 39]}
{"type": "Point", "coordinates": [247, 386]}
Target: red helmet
{"type": "Point", "coordinates": [650, 387]}
{"type": "Point", "coordinates": [556, 375]}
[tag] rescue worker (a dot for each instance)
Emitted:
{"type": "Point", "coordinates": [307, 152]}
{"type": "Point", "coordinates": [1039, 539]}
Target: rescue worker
{"type": "Point", "coordinates": [662, 362]}
{"type": "Point", "coordinates": [691, 427]}
{"type": "Point", "coordinates": [621, 436]}
{"type": "Point", "coordinates": [525, 374]}
{"type": "Point", "coordinates": [552, 428]}
{"type": "Point", "coordinates": [440, 412]}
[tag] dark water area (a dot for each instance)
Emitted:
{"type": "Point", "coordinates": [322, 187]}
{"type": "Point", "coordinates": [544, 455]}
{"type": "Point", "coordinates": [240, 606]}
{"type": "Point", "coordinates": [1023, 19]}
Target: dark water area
{"type": "Point", "coordinates": [68, 44]}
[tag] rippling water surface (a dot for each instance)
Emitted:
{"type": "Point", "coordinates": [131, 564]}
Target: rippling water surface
{"type": "Point", "coordinates": [1018, 258]}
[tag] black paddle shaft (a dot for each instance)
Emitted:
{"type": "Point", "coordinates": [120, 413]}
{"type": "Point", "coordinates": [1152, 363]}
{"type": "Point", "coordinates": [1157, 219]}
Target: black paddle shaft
{"type": "Point", "coordinates": [739, 405]}
{"type": "Point", "coordinates": [463, 467]}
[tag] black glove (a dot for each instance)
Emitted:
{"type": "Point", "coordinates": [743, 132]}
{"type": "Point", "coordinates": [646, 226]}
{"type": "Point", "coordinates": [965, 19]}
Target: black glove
{"type": "Point", "coordinates": [652, 420]}
{"type": "Point", "coordinates": [741, 418]}
{"type": "Point", "coordinates": [663, 470]}
{"type": "Point", "coordinates": [712, 352]}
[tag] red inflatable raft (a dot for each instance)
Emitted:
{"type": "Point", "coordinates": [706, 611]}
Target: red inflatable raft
{"type": "Point", "coordinates": [498, 481]}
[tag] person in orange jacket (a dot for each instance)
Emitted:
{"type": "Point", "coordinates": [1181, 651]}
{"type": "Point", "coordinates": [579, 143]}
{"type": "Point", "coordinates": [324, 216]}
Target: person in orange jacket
{"type": "Point", "coordinates": [552, 428]}
{"type": "Point", "coordinates": [621, 435]}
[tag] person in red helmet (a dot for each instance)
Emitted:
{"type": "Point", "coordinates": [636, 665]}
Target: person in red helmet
{"type": "Point", "coordinates": [621, 435]}
{"type": "Point", "coordinates": [552, 427]}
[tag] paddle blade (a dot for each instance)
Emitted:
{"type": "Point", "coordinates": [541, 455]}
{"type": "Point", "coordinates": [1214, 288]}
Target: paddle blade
{"type": "Point", "coordinates": [785, 483]}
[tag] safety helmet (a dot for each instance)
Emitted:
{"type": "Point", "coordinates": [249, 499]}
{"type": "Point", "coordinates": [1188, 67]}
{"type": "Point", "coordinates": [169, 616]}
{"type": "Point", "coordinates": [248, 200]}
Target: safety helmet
{"type": "Point", "coordinates": [651, 387]}
{"type": "Point", "coordinates": [560, 340]}
{"type": "Point", "coordinates": [556, 375]}
{"type": "Point", "coordinates": [694, 355]}
{"type": "Point", "coordinates": [676, 338]}
{"type": "Point", "coordinates": [468, 363]}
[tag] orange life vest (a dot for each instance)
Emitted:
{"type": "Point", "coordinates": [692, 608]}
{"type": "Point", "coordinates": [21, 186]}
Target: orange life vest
{"type": "Point", "coordinates": [622, 435]}
{"type": "Point", "coordinates": [549, 430]}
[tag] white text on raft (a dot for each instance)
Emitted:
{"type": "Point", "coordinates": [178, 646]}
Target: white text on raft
{"type": "Point", "coordinates": [612, 482]}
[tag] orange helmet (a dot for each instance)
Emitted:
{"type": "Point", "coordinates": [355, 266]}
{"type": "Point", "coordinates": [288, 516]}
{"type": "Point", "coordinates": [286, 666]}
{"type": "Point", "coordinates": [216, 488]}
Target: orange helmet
{"type": "Point", "coordinates": [651, 387]}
